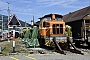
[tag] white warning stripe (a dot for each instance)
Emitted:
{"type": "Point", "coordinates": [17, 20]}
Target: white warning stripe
{"type": "Point", "coordinates": [45, 27]}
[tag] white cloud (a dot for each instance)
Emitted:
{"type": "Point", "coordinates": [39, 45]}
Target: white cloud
{"type": "Point", "coordinates": [3, 5]}
{"type": "Point", "coordinates": [15, 8]}
{"type": "Point", "coordinates": [20, 1]}
{"type": "Point", "coordinates": [24, 11]}
{"type": "Point", "coordinates": [14, 5]}
{"type": "Point", "coordinates": [30, 7]}
{"type": "Point", "coordinates": [63, 3]}
{"type": "Point", "coordinates": [25, 1]}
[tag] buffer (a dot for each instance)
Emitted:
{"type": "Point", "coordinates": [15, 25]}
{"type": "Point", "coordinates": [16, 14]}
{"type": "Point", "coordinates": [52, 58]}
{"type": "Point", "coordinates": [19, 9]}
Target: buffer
{"type": "Point", "coordinates": [14, 21]}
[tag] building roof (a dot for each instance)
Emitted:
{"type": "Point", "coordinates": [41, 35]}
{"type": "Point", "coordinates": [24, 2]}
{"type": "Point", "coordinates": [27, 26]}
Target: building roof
{"type": "Point", "coordinates": [49, 15]}
{"type": "Point", "coordinates": [77, 15]}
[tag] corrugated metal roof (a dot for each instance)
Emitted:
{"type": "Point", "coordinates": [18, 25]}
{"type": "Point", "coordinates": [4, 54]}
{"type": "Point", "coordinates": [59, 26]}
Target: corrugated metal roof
{"type": "Point", "coordinates": [77, 15]}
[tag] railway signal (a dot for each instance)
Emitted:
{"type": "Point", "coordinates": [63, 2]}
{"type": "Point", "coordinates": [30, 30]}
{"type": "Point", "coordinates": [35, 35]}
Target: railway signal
{"type": "Point", "coordinates": [14, 22]}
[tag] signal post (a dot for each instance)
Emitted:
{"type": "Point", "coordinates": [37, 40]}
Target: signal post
{"type": "Point", "coordinates": [13, 22]}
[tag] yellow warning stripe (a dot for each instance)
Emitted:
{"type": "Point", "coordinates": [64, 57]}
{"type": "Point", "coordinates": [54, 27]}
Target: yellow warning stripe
{"type": "Point", "coordinates": [13, 58]}
{"type": "Point", "coordinates": [31, 57]}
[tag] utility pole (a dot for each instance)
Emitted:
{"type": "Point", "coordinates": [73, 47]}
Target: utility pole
{"type": "Point", "coordinates": [2, 28]}
{"type": "Point", "coordinates": [8, 18]}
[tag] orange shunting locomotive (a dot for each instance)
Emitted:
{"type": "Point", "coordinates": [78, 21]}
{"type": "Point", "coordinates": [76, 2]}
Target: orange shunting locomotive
{"type": "Point", "coordinates": [52, 25]}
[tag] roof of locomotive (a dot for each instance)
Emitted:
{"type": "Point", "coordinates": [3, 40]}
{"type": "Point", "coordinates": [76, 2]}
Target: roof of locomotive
{"type": "Point", "coordinates": [49, 15]}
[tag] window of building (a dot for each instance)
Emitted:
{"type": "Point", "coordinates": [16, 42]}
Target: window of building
{"type": "Point", "coordinates": [61, 28]}
{"type": "Point", "coordinates": [58, 18]}
{"type": "Point", "coordinates": [57, 28]}
{"type": "Point", "coordinates": [45, 24]}
{"type": "Point", "coordinates": [47, 18]}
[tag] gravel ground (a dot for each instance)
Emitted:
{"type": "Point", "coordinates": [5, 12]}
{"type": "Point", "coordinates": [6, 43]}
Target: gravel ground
{"type": "Point", "coordinates": [45, 51]}
{"type": "Point", "coordinates": [35, 51]}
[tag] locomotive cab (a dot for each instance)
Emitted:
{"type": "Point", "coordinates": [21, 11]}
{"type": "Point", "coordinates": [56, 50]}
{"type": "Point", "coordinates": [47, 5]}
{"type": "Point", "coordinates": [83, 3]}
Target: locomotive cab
{"type": "Point", "coordinates": [52, 25]}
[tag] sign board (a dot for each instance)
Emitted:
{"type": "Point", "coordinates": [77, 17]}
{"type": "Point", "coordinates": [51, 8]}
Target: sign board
{"type": "Point", "coordinates": [14, 21]}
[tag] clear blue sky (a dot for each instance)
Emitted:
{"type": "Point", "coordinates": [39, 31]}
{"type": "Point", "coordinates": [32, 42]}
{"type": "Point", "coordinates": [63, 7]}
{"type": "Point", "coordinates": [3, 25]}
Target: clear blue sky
{"type": "Point", "coordinates": [25, 9]}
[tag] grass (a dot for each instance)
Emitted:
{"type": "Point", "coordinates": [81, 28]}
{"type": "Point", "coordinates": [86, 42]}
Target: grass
{"type": "Point", "coordinates": [7, 47]}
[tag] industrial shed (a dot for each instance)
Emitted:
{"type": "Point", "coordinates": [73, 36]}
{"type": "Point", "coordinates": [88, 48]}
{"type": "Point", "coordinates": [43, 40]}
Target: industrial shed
{"type": "Point", "coordinates": [79, 21]}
